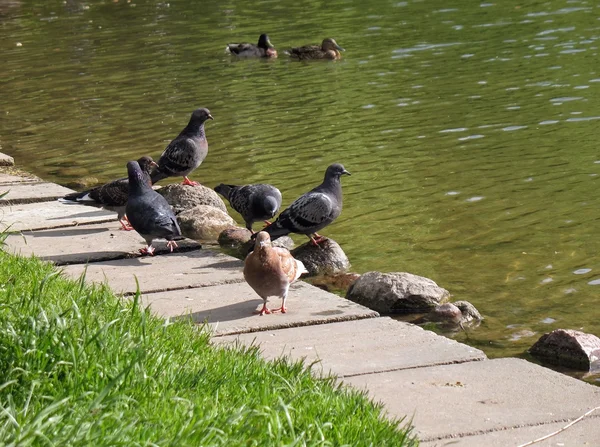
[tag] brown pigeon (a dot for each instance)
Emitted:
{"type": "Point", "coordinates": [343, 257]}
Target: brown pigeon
{"type": "Point", "coordinates": [270, 271]}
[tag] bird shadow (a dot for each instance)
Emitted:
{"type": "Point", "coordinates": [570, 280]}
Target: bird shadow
{"type": "Point", "coordinates": [226, 265]}
{"type": "Point", "coordinates": [60, 232]}
{"type": "Point", "coordinates": [231, 312]}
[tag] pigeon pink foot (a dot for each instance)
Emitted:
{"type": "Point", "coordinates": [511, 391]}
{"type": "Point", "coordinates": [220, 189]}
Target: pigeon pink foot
{"type": "Point", "coordinates": [187, 181]}
{"type": "Point", "coordinates": [149, 250]}
{"type": "Point", "coordinates": [172, 245]}
{"type": "Point", "coordinates": [263, 311]}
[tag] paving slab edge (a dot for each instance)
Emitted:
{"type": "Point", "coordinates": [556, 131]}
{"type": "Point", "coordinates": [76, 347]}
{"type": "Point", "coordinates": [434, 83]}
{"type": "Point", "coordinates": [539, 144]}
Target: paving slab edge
{"type": "Point", "coordinates": [496, 430]}
{"type": "Point", "coordinates": [291, 325]}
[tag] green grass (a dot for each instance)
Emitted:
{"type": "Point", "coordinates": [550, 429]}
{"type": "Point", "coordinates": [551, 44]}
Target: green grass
{"type": "Point", "coordinates": [80, 367]}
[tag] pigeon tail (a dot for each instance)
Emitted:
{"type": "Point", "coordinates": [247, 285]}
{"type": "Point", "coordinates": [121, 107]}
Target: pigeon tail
{"type": "Point", "coordinates": [275, 230]}
{"type": "Point", "coordinates": [76, 197]}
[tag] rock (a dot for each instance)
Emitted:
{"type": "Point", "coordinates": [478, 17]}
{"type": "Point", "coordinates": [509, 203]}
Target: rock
{"type": "Point", "coordinates": [566, 347]}
{"type": "Point", "coordinates": [185, 197]}
{"type": "Point", "coordinates": [234, 237]}
{"type": "Point", "coordinates": [6, 160]}
{"type": "Point", "coordinates": [339, 282]}
{"type": "Point", "coordinates": [396, 292]}
{"type": "Point", "coordinates": [204, 222]}
{"type": "Point", "coordinates": [327, 258]}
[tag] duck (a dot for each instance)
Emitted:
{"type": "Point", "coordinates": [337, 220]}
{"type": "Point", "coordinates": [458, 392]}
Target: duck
{"type": "Point", "coordinates": [329, 49]}
{"type": "Point", "coordinates": [264, 48]}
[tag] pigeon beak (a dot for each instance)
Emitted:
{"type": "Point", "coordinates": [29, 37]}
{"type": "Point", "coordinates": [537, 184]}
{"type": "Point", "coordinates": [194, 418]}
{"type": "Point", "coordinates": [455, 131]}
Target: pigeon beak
{"type": "Point", "coordinates": [339, 48]}
{"type": "Point", "coordinates": [346, 172]}
{"type": "Point", "coordinates": [153, 163]}
{"type": "Point", "coordinates": [263, 243]}
{"type": "Point", "coordinates": [210, 117]}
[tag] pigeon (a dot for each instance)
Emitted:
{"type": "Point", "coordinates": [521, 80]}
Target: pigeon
{"type": "Point", "coordinates": [264, 48]}
{"type": "Point", "coordinates": [186, 152]}
{"type": "Point", "coordinates": [149, 213]}
{"type": "Point", "coordinates": [253, 202]}
{"type": "Point", "coordinates": [329, 49]}
{"type": "Point", "coordinates": [312, 211]}
{"type": "Point", "coordinates": [111, 196]}
{"type": "Point", "coordinates": [270, 271]}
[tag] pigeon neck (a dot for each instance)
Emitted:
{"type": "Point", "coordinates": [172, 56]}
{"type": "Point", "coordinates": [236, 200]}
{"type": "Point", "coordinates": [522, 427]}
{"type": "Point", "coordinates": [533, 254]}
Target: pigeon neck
{"type": "Point", "coordinates": [138, 183]}
{"type": "Point", "coordinates": [195, 129]}
{"type": "Point", "coordinates": [333, 181]}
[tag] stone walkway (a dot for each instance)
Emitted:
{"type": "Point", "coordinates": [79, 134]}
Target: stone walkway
{"type": "Point", "coordinates": [452, 392]}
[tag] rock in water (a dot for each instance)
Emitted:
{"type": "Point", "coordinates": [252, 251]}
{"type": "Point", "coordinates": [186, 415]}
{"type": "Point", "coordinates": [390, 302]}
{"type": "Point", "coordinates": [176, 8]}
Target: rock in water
{"type": "Point", "coordinates": [570, 348]}
{"type": "Point", "coordinates": [396, 292]}
{"type": "Point", "coordinates": [182, 198]}
{"type": "Point", "coordinates": [312, 211]}
{"type": "Point", "coordinates": [204, 222]}
{"type": "Point", "coordinates": [327, 258]}
{"type": "Point", "coordinates": [186, 152]}
{"type": "Point", "coordinates": [148, 212]}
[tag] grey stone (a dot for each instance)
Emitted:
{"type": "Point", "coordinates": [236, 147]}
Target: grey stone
{"type": "Point", "coordinates": [229, 308]}
{"type": "Point", "coordinates": [477, 397]}
{"type": "Point", "coordinates": [457, 313]}
{"type": "Point", "coordinates": [185, 197]}
{"type": "Point", "coordinates": [360, 347]}
{"type": "Point", "coordinates": [6, 160]}
{"type": "Point", "coordinates": [38, 216]}
{"type": "Point", "coordinates": [327, 258]}
{"type": "Point", "coordinates": [6, 179]}
{"type": "Point", "coordinates": [234, 237]}
{"type": "Point", "coordinates": [204, 222]}
{"type": "Point", "coordinates": [566, 347]}
{"type": "Point", "coordinates": [84, 243]}
{"type": "Point", "coordinates": [32, 192]}
{"type": "Point", "coordinates": [397, 292]}
{"type": "Point", "coordinates": [200, 268]}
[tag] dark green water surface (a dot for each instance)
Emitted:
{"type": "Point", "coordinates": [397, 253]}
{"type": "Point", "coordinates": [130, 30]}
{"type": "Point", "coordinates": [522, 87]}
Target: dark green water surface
{"type": "Point", "coordinates": [470, 128]}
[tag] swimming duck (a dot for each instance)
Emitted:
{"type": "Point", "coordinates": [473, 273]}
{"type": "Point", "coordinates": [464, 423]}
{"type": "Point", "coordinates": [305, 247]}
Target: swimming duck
{"type": "Point", "coordinates": [329, 49]}
{"type": "Point", "coordinates": [264, 48]}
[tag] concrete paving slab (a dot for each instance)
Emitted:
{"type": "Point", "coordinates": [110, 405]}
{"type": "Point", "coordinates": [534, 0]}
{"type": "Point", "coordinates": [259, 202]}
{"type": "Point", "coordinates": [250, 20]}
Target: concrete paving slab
{"type": "Point", "coordinates": [477, 397]}
{"type": "Point", "coordinates": [32, 192]}
{"type": "Point", "coordinates": [173, 271]}
{"type": "Point", "coordinates": [41, 216]}
{"type": "Point", "coordinates": [6, 160]}
{"type": "Point", "coordinates": [361, 347]}
{"type": "Point", "coordinates": [229, 308]}
{"type": "Point", "coordinates": [84, 243]}
{"type": "Point", "coordinates": [6, 179]}
{"type": "Point", "coordinates": [584, 433]}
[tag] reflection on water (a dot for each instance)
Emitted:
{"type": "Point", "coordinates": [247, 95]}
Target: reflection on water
{"type": "Point", "coordinates": [470, 130]}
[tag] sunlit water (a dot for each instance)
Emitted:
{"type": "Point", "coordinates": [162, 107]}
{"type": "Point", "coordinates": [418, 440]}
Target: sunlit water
{"type": "Point", "coordinates": [470, 128]}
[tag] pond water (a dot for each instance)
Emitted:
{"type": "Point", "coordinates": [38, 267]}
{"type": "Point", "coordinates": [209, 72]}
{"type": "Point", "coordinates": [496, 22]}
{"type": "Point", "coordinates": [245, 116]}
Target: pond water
{"type": "Point", "coordinates": [470, 128]}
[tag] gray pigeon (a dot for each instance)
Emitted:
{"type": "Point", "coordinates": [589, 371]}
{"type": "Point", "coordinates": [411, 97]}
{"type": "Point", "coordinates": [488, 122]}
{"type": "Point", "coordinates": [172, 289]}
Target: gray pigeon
{"type": "Point", "coordinates": [111, 196]}
{"type": "Point", "coordinates": [186, 152]}
{"type": "Point", "coordinates": [314, 210]}
{"type": "Point", "coordinates": [149, 213]}
{"type": "Point", "coordinates": [253, 202]}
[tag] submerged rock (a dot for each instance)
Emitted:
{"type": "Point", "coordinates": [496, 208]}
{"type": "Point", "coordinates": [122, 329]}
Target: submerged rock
{"type": "Point", "coordinates": [567, 347]}
{"type": "Point", "coordinates": [204, 222]}
{"type": "Point", "coordinates": [185, 197]}
{"type": "Point", "coordinates": [397, 292]}
{"type": "Point", "coordinates": [327, 258]}
{"type": "Point", "coordinates": [331, 283]}
{"type": "Point", "coordinates": [468, 311]}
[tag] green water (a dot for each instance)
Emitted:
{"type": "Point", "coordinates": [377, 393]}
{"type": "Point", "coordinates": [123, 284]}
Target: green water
{"type": "Point", "coordinates": [469, 128]}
